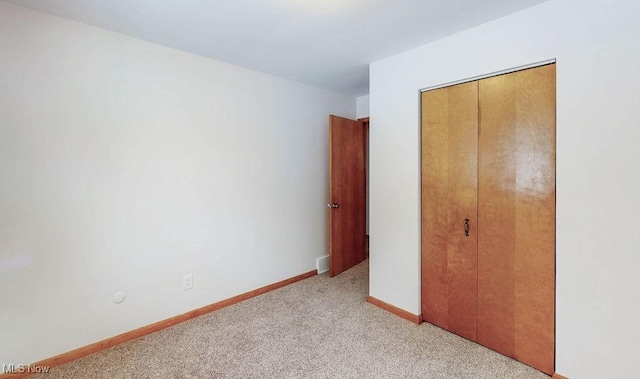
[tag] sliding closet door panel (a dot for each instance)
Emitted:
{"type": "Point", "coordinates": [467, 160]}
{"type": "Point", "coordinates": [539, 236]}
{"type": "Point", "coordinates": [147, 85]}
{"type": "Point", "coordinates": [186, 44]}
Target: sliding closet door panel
{"type": "Point", "coordinates": [497, 214]}
{"type": "Point", "coordinates": [516, 216]}
{"type": "Point", "coordinates": [449, 196]}
{"type": "Point", "coordinates": [535, 215]}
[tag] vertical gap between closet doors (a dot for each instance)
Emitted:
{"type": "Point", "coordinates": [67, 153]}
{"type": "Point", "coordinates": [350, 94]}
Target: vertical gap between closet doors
{"type": "Point", "coordinates": [477, 207]}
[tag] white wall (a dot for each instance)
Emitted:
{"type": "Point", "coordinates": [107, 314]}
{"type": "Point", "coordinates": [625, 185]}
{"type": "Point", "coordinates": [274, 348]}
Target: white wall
{"type": "Point", "coordinates": [362, 111]}
{"type": "Point", "coordinates": [362, 106]}
{"type": "Point", "coordinates": [124, 165]}
{"type": "Point", "coordinates": [598, 164]}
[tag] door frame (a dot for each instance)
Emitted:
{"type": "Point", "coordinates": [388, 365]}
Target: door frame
{"type": "Point", "coordinates": [365, 124]}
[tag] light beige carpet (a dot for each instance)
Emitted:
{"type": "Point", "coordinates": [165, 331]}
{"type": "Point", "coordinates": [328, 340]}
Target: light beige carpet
{"type": "Point", "coordinates": [318, 328]}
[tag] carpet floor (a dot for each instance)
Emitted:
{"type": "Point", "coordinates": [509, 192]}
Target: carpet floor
{"type": "Point", "coordinates": [318, 328]}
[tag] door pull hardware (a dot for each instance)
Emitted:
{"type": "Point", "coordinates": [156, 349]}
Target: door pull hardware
{"type": "Point", "coordinates": [466, 227]}
{"type": "Point", "coordinates": [333, 205]}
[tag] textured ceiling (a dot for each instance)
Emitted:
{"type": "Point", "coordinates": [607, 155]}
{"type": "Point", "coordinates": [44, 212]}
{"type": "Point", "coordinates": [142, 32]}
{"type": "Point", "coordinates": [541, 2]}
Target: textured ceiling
{"type": "Point", "coordinates": [324, 43]}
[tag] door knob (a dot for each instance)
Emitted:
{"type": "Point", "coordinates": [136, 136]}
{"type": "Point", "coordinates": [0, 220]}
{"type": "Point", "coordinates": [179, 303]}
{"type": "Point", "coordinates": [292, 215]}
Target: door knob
{"type": "Point", "coordinates": [333, 205]}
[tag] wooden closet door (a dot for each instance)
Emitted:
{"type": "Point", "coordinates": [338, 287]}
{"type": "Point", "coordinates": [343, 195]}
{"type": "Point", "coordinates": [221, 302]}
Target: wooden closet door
{"type": "Point", "coordinates": [516, 216]}
{"type": "Point", "coordinates": [449, 196]}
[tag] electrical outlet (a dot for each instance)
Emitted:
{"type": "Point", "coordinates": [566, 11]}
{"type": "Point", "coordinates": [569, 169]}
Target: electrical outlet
{"type": "Point", "coordinates": [187, 281]}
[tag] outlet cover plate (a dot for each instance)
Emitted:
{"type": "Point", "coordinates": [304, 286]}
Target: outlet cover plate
{"type": "Point", "coordinates": [187, 282]}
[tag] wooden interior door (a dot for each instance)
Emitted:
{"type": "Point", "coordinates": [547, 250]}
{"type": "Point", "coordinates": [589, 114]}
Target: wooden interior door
{"type": "Point", "coordinates": [516, 216]}
{"type": "Point", "coordinates": [449, 197]}
{"type": "Point", "coordinates": [347, 194]}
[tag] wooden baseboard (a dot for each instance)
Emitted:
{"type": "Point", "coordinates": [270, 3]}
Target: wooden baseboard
{"type": "Point", "coordinates": [558, 376]}
{"type": "Point", "coordinates": [128, 336]}
{"type": "Point", "coordinates": [416, 319]}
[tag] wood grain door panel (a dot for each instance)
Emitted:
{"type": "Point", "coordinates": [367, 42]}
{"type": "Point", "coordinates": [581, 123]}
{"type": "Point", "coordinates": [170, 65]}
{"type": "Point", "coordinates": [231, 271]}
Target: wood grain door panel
{"type": "Point", "coordinates": [347, 188]}
{"type": "Point", "coordinates": [449, 196]}
{"type": "Point", "coordinates": [516, 216]}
